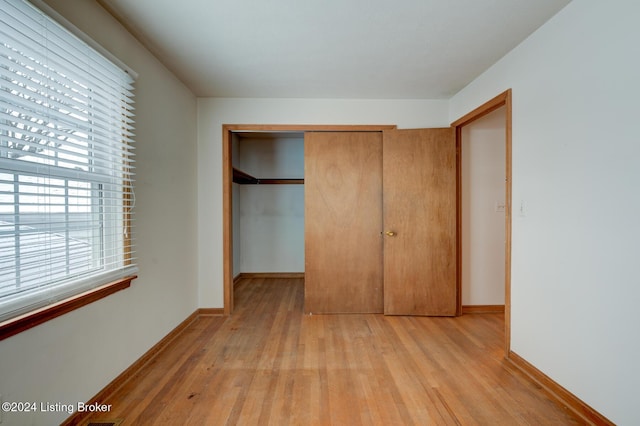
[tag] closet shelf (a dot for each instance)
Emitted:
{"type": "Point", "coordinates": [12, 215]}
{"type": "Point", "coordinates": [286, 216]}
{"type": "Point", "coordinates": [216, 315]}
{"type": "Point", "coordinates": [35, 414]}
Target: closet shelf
{"type": "Point", "coordinates": [246, 179]}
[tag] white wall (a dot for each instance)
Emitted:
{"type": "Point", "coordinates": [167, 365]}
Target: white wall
{"type": "Point", "coordinates": [212, 113]}
{"type": "Point", "coordinates": [483, 225]}
{"type": "Point", "coordinates": [576, 157]}
{"type": "Point", "coordinates": [271, 233]}
{"type": "Point", "coordinates": [72, 357]}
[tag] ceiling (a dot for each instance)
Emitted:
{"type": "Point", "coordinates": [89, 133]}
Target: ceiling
{"type": "Point", "coordinates": [369, 49]}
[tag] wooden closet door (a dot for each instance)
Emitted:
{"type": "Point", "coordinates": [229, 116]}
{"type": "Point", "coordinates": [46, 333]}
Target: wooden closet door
{"type": "Point", "coordinates": [419, 186]}
{"type": "Point", "coordinates": [343, 219]}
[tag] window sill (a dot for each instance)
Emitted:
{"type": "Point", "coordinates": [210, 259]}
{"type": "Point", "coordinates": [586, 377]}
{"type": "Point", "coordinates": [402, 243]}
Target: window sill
{"type": "Point", "coordinates": [24, 322]}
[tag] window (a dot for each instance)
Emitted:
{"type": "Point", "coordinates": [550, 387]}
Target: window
{"type": "Point", "coordinates": [66, 163]}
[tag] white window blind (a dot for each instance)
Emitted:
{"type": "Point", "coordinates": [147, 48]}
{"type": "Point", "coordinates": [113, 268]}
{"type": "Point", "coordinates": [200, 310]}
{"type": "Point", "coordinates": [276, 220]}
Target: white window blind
{"type": "Point", "coordinates": [66, 163]}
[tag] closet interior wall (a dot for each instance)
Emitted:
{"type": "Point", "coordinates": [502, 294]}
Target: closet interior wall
{"type": "Point", "coordinates": [235, 209]}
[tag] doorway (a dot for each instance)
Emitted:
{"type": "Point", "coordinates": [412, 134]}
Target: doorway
{"type": "Point", "coordinates": [502, 101]}
{"type": "Point", "coordinates": [483, 207]}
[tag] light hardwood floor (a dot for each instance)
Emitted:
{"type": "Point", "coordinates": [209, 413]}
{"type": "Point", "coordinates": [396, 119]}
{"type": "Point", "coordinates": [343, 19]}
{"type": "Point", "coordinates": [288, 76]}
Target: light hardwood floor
{"type": "Point", "coordinates": [270, 364]}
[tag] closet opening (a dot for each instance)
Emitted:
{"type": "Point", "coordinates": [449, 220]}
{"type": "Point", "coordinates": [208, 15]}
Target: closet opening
{"type": "Point", "coordinates": [267, 207]}
{"type": "Point", "coordinates": [263, 201]}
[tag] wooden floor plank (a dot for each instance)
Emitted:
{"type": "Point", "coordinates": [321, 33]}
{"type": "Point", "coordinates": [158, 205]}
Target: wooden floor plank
{"type": "Point", "coordinates": [268, 363]}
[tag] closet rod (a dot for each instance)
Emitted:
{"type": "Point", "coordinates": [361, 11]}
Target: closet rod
{"type": "Point", "coordinates": [246, 179]}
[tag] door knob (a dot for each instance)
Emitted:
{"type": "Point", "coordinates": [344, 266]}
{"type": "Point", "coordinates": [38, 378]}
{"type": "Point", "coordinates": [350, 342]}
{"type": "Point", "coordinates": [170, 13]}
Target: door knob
{"type": "Point", "coordinates": [390, 233]}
